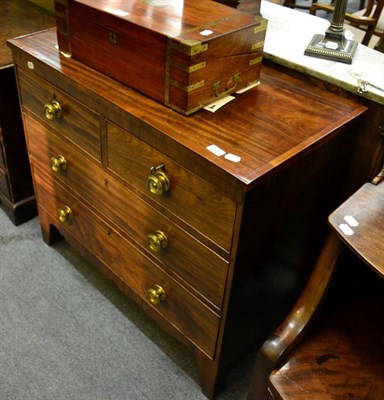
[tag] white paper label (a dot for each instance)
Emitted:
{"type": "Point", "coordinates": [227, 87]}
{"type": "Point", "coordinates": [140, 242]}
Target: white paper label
{"type": "Point", "coordinates": [346, 229]}
{"type": "Point", "coordinates": [206, 32]}
{"type": "Point", "coordinates": [248, 87]}
{"type": "Point", "coordinates": [218, 104]}
{"type": "Point", "coordinates": [232, 157]}
{"type": "Point", "coordinates": [350, 220]}
{"type": "Point", "coordinates": [216, 150]}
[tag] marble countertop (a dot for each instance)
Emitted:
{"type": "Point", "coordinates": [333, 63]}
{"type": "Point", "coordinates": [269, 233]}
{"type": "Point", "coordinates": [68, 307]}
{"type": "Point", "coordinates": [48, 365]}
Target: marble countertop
{"type": "Point", "coordinates": [288, 34]}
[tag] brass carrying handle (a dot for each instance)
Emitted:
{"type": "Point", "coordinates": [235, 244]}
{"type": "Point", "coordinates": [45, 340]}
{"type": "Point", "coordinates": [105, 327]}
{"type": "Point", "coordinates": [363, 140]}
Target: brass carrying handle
{"type": "Point", "coordinates": [156, 294]}
{"type": "Point", "coordinates": [216, 86]}
{"type": "Point", "coordinates": [52, 110]}
{"type": "Point", "coordinates": [64, 214]}
{"type": "Point", "coordinates": [58, 164]}
{"type": "Point", "coordinates": [157, 241]}
{"type": "Point", "coordinates": [158, 182]}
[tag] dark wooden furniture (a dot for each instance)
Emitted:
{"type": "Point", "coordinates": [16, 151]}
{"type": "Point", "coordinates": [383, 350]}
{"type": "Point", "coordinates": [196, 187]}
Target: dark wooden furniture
{"type": "Point", "coordinates": [17, 17]}
{"type": "Point", "coordinates": [360, 223]}
{"type": "Point", "coordinates": [342, 358]}
{"type": "Point", "coordinates": [342, 354]}
{"type": "Point", "coordinates": [213, 246]}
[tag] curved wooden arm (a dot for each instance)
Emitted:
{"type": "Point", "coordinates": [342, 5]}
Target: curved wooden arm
{"type": "Point", "coordinates": [355, 20]}
{"type": "Point", "coordinates": [324, 7]}
{"type": "Point", "coordinates": [379, 177]}
{"type": "Point", "coordinates": [291, 330]}
{"type": "Point", "coordinates": [365, 20]}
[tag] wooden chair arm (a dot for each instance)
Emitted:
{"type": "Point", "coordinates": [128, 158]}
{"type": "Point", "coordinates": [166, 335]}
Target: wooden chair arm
{"type": "Point", "coordinates": [355, 20]}
{"type": "Point", "coordinates": [324, 7]}
{"type": "Point", "coordinates": [291, 330]}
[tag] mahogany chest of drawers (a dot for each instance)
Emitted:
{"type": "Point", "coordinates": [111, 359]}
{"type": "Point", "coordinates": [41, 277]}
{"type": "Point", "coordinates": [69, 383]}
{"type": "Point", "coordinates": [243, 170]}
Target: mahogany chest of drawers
{"type": "Point", "coordinates": [208, 221]}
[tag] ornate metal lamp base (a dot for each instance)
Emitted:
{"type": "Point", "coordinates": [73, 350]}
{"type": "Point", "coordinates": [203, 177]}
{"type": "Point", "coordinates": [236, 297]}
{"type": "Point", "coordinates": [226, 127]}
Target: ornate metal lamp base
{"type": "Point", "coordinates": [332, 47]}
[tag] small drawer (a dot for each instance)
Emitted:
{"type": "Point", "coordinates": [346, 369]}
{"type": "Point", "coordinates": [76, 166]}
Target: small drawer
{"type": "Point", "coordinates": [4, 184]}
{"type": "Point", "coordinates": [184, 194]}
{"type": "Point", "coordinates": [177, 305]}
{"type": "Point", "coordinates": [180, 253]}
{"type": "Point", "coordinates": [61, 112]}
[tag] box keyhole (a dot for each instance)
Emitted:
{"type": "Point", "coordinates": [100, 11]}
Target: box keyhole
{"type": "Point", "coordinates": [112, 37]}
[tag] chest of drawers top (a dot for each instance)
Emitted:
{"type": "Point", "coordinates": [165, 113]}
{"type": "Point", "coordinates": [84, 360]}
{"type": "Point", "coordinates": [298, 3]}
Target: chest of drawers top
{"type": "Point", "coordinates": [263, 128]}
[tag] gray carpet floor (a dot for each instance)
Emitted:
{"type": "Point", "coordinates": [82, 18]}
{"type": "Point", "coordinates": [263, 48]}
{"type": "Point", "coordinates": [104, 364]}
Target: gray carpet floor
{"type": "Point", "coordinates": [67, 333]}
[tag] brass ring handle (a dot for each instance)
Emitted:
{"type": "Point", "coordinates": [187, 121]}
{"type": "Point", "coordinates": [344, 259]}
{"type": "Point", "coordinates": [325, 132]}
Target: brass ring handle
{"type": "Point", "coordinates": [64, 214]}
{"type": "Point", "coordinates": [158, 183]}
{"type": "Point", "coordinates": [52, 110]}
{"type": "Point", "coordinates": [157, 241]}
{"type": "Point", "coordinates": [58, 163]}
{"type": "Point", "coordinates": [156, 294]}
{"type": "Point", "coordinates": [216, 86]}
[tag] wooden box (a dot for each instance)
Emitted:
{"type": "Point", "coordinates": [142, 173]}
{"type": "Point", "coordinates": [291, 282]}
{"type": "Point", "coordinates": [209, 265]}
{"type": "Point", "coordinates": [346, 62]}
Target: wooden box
{"type": "Point", "coordinates": [184, 54]}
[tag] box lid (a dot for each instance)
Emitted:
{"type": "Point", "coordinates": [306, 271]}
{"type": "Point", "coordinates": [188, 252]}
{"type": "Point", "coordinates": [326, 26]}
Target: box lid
{"type": "Point", "coordinates": [185, 19]}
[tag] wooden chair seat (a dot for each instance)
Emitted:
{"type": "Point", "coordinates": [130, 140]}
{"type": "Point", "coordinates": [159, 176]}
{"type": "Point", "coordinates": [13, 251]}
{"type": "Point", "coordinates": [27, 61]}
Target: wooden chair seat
{"type": "Point", "coordinates": [339, 355]}
{"type": "Point", "coordinates": [341, 358]}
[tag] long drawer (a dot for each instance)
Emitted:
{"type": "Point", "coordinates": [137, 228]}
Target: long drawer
{"type": "Point", "coordinates": [61, 112]}
{"type": "Point", "coordinates": [194, 319]}
{"type": "Point", "coordinates": [183, 255]}
{"type": "Point", "coordinates": [196, 201]}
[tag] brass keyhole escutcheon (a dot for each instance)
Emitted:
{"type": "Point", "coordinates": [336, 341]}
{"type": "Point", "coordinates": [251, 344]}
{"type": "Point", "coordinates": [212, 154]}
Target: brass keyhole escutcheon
{"type": "Point", "coordinates": [64, 214]}
{"type": "Point", "coordinates": [112, 37]}
{"type": "Point", "coordinates": [156, 294]}
{"type": "Point", "coordinates": [58, 164]}
{"type": "Point", "coordinates": [158, 182]}
{"type": "Point", "coordinates": [157, 241]}
{"type": "Point", "coordinates": [52, 110]}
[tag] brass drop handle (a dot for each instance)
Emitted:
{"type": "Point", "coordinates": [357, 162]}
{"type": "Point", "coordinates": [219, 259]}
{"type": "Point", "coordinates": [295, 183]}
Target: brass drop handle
{"type": "Point", "coordinates": [158, 182]}
{"type": "Point", "coordinates": [234, 80]}
{"type": "Point", "coordinates": [58, 163]}
{"type": "Point", "coordinates": [157, 241]}
{"type": "Point", "coordinates": [64, 214]}
{"type": "Point", "coordinates": [52, 110]}
{"type": "Point", "coordinates": [156, 294]}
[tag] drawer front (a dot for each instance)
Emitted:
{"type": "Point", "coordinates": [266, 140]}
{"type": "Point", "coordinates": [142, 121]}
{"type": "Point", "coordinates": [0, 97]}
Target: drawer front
{"type": "Point", "coordinates": [182, 254]}
{"type": "Point", "coordinates": [71, 118]}
{"type": "Point", "coordinates": [195, 320]}
{"type": "Point", "coordinates": [4, 185]}
{"type": "Point", "coordinates": [190, 198]}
